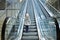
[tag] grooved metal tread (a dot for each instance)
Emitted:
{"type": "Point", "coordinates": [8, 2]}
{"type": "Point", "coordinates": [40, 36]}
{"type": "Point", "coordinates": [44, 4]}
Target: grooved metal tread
{"type": "Point", "coordinates": [30, 37]}
{"type": "Point", "coordinates": [30, 30]}
{"type": "Point", "coordinates": [30, 34]}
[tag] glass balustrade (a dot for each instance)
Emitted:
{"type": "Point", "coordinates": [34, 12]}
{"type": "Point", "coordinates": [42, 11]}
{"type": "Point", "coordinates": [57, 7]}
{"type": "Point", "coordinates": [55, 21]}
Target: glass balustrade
{"type": "Point", "coordinates": [46, 27]}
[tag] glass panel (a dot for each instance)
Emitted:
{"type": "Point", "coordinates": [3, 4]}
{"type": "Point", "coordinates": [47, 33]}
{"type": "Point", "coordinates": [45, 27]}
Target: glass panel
{"type": "Point", "coordinates": [48, 29]}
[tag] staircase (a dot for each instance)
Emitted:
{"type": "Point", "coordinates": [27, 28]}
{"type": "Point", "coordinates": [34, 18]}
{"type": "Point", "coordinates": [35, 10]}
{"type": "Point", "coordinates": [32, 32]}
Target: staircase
{"type": "Point", "coordinates": [32, 33]}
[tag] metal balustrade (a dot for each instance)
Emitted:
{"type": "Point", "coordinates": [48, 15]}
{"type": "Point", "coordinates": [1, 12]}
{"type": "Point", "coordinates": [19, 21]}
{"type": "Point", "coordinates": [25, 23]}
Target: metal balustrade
{"type": "Point", "coordinates": [46, 27]}
{"type": "Point", "coordinates": [17, 33]}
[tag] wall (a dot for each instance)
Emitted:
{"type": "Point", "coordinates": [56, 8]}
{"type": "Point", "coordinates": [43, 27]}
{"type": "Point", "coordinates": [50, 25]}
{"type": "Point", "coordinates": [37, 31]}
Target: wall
{"type": "Point", "coordinates": [2, 4]}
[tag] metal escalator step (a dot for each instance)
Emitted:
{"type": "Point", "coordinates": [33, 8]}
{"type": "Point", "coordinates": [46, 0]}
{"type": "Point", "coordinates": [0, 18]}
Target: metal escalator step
{"type": "Point", "coordinates": [30, 34]}
{"type": "Point", "coordinates": [16, 25]}
{"type": "Point", "coordinates": [30, 38]}
{"type": "Point", "coordinates": [17, 21]}
{"type": "Point", "coordinates": [31, 26]}
{"type": "Point", "coordinates": [30, 30]}
{"type": "Point", "coordinates": [33, 21]}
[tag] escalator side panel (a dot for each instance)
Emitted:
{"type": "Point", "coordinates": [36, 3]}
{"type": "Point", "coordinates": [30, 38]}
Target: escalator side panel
{"type": "Point", "coordinates": [3, 28]}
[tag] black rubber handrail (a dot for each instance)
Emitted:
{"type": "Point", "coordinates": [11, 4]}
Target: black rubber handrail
{"type": "Point", "coordinates": [57, 29]}
{"type": "Point", "coordinates": [3, 28]}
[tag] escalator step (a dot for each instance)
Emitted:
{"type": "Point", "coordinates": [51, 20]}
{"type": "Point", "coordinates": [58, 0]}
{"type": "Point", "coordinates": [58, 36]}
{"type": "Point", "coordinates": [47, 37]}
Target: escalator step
{"type": "Point", "coordinates": [30, 34]}
{"type": "Point", "coordinates": [31, 27]}
{"type": "Point", "coordinates": [30, 30]}
{"type": "Point", "coordinates": [30, 38]}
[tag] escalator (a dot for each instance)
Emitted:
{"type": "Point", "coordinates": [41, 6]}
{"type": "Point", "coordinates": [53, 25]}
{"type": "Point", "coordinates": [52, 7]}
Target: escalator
{"type": "Point", "coordinates": [46, 23]}
{"type": "Point", "coordinates": [32, 33]}
{"type": "Point", "coordinates": [43, 27]}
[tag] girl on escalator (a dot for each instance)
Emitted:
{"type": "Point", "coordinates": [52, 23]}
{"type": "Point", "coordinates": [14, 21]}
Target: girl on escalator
{"type": "Point", "coordinates": [27, 21]}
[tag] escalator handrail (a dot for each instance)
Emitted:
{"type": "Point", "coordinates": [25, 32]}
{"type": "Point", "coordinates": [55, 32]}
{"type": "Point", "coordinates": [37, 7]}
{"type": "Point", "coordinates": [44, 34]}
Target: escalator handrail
{"type": "Point", "coordinates": [57, 29]}
{"type": "Point", "coordinates": [3, 28]}
{"type": "Point", "coordinates": [36, 18]}
{"type": "Point", "coordinates": [6, 21]}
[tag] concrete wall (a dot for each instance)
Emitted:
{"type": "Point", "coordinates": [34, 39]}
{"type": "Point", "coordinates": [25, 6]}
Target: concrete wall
{"type": "Point", "coordinates": [54, 3]}
{"type": "Point", "coordinates": [51, 1]}
{"type": "Point", "coordinates": [2, 4]}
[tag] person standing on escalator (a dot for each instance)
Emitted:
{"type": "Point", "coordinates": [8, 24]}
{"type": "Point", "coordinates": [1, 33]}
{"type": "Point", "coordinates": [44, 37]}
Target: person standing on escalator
{"type": "Point", "coordinates": [27, 21]}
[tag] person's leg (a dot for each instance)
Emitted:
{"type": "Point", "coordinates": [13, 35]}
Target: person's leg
{"type": "Point", "coordinates": [26, 28]}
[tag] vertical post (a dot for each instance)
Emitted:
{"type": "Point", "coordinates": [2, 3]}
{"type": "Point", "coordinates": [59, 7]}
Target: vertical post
{"type": "Point", "coordinates": [6, 8]}
{"type": "Point", "coordinates": [59, 4]}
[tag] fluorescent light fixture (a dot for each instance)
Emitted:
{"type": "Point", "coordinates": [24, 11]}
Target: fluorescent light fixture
{"type": "Point", "coordinates": [20, 0]}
